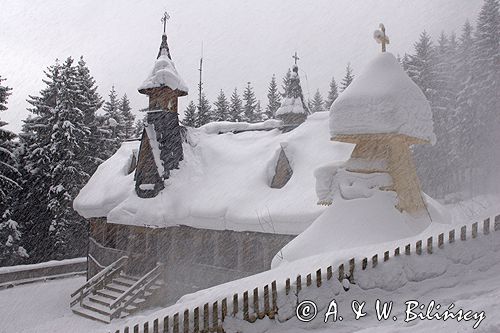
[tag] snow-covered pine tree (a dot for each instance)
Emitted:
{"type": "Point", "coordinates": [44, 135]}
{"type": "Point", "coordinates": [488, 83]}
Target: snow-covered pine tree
{"type": "Point", "coordinates": [139, 127]}
{"type": "Point", "coordinates": [333, 93]}
{"type": "Point", "coordinates": [55, 143]}
{"type": "Point", "coordinates": [273, 98]}
{"type": "Point", "coordinates": [249, 105]}
{"type": "Point", "coordinates": [204, 111]}
{"type": "Point", "coordinates": [286, 82]}
{"type": "Point", "coordinates": [11, 252]}
{"type": "Point", "coordinates": [114, 119]}
{"type": "Point", "coordinates": [259, 113]}
{"type": "Point", "coordinates": [90, 102]}
{"type": "Point", "coordinates": [190, 115]}
{"type": "Point", "coordinates": [127, 116]}
{"type": "Point", "coordinates": [221, 108]}
{"type": "Point", "coordinates": [485, 86]}
{"type": "Point", "coordinates": [317, 104]}
{"type": "Point", "coordinates": [348, 77]}
{"type": "Point", "coordinates": [235, 107]}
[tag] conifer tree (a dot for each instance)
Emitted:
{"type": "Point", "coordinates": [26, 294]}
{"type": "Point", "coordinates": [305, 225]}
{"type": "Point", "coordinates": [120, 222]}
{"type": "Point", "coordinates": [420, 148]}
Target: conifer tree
{"type": "Point", "coordinates": [346, 81]}
{"type": "Point", "coordinates": [127, 116]}
{"type": "Point", "coordinates": [139, 127]}
{"type": "Point", "coordinates": [221, 111]}
{"type": "Point", "coordinates": [317, 104]}
{"type": "Point", "coordinates": [286, 82]}
{"type": "Point", "coordinates": [274, 99]}
{"type": "Point", "coordinates": [204, 111]}
{"type": "Point", "coordinates": [190, 115]}
{"type": "Point", "coordinates": [259, 113]}
{"type": "Point", "coordinates": [11, 252]}
{"type": "Point", "coordinates": [235, 107]}
{"type": "Point", "coordinates": [55, 140]}
{"type": "Point", "coordinates": [113, 117]}
{"type": "Point", "coordinates": [249, 105]}
{"type": "Point", "coordinates": [332, 94]}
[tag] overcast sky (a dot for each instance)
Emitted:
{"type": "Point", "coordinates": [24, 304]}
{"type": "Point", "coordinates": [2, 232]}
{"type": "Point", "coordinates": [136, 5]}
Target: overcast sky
{"type": "Point", "coordinates": [244, 41]}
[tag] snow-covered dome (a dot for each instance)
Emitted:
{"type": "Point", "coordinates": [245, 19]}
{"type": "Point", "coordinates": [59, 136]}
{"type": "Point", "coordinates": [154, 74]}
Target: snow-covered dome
{"type": "Point", "coordinates": [383, 99]}
{"type": "Point", "coordinates": [164, 74]}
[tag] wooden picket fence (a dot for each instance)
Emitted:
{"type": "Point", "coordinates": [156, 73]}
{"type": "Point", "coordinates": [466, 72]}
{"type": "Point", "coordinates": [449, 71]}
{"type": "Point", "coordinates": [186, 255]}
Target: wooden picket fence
{"type": "Point", "coordinates": [210, 317]}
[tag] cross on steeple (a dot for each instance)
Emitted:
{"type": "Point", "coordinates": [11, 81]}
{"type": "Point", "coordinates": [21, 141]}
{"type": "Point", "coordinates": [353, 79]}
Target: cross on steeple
{"type": "Point", "coordinates": [295, 57]}
{"type": "Point", "coordinates": [164, 21]}
{"type": "Point", "coordinates": [381, 37]}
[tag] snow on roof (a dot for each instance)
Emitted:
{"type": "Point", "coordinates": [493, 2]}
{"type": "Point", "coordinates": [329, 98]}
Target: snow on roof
{"type": "Point", "coordinates": [383, 99]}
{"type": "Point", "coordinates": [290, 105]}
{"type": "Point", "coordinates": [155, 147]}
{"type": "Point", "coordinates": [109, 185]}
{"type": "Point", "coordinates": [164, 74]}
{"type": "Point", "coordinates": [229, 126]}
{"type": "Point", "coordinates": [223, 182]}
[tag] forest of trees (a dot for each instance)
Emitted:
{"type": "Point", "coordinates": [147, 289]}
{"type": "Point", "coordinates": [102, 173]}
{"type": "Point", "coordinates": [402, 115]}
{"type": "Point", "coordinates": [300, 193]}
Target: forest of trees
{"type": "Point", "coordinates": [71, 130]}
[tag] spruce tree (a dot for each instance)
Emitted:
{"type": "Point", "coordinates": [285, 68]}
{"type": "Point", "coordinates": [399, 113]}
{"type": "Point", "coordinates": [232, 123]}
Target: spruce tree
{"type": "Point", "coordinates": [235, 107]}
{"type": "Point", "coordinates": [90, 102]}
{"type": "Point", "coordinates": [127, 116]}
{"type": "Point", "coordinates": [55, 140]}
{"type": "Point", "coordinates": [286, 82]}
{"type": "Point", "coordinates": [317, 104]}
{"type": "Point", "coordinates": [221, 111]}
{"type": "Point", "coordinates": [190, 115]}
{"type": "Point", "coordinates": [485, 88]}
{"type": "Point", "coordinates": [274, 99]}
{"type": "Point", "coordinates": [114, 119]}
{"type": "Point", "coordinates": [249, 105]}
{"type": "Point", "coordinates": [332, 94]}
{"type": "Point", "coordinates": [139, 127]}
{"type": "Point", "coordinates": [204, 111]}
{"type": "Point", "coordinates": [11, 252]}
{"type": "Point", "coordinates": [348, 77]}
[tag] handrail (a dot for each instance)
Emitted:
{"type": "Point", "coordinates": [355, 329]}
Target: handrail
{"type": "Point", "coordinates": [99, 275]}
{"type": "Point", "coordinates": [135, 286]}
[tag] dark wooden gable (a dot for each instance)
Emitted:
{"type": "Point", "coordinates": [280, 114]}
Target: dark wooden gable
{"type": "Point", "coordinates": [148, 182]}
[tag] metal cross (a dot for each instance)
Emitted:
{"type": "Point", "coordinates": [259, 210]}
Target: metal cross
{"type": "Point", "coordinates": [164, 21]}
{"type": "Point", "coordinates": [296, 58]}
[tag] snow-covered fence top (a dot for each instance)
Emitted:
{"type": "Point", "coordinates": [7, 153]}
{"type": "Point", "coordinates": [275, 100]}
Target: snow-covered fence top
{"type": "Point", "coordinates": [266, 301]}
{"type": "Point", "coordinates": [21, 274]}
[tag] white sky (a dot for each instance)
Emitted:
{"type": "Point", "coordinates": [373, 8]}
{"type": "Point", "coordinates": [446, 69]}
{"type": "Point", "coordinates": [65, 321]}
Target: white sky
{"type": "Point", "coordinates": [244, 41]}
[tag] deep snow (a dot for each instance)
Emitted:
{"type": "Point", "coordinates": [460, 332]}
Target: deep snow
{"type": "Point", "coordinates": [223, 181]}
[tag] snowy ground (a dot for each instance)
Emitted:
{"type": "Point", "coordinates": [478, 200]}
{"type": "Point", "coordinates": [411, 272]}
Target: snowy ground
{"type": "Point", "coordinates": [467, 276]}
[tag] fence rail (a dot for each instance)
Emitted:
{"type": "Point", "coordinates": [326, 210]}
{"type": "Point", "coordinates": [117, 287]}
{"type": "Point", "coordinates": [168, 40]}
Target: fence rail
{"type": "Point", "coordinates": [263, 302]}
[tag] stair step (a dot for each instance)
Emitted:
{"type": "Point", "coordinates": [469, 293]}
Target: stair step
{"type": "Point", "coordinates": [124, 281]}
{"type": "Point", "coordinates": [90, 314]}
{"type": "Point", "coordinates": [108, 293]}
{"type": "Point", "coordinates": [106, 301]}
{"type": "Point", "coordinates": [119, 288]}
{"type": "Point", "coordinates": [130, 277]}
{"type": "Point", "coordinates": [96, 307]}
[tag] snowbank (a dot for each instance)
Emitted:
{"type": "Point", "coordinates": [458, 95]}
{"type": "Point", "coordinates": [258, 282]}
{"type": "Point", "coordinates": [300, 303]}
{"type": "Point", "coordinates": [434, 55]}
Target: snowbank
{"type": "Point", "coordinates": [367, 217]}
{"type": "Point", "coordinates": [218, 127]}
{"type": "Point", "coordinates": [109, 185]}
{"type": "Point", "coordinates": [383, 99]}
{"type": "Point", "coordinates": [163, 74]}
{"type": "Point", "coordinates": [223, 182]}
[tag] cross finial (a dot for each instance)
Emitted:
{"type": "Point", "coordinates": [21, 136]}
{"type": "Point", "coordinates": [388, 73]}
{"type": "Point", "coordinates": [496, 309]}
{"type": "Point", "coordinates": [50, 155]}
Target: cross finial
{"type": "Point", "coordinates": [381, 37]}
{"type": "Point", "coordinates": [296, 57]}
{"type": "Point", "coordinates": [164, 20]}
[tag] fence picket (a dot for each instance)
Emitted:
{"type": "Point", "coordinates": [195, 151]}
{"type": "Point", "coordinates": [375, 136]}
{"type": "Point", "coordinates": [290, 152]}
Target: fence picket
{"type": "Point", "coordinates": [299, 284]}
{"type": "Point", "coordinates": [245, 306]}
{"type": "Point", "coordinates": [463, 233]}
{"type": "Point", "coordinates": [486, 226]}
{"type": "Point", "coordinates": [136, 328]}
{"type": "Point", "coordinates": [341, 272]}
{"type": "Point", "coordinates": [441, 240]}
{"type": "Point", "coordinates": [267, 307]}
{"type": "Point", "coordinates": [165, 324]}
{"type": "Point", "coordinates": [256, 304]}
{"type": "Point", "coordinates": [155, 326]}
{"type": "Point", "coordinates": [185, 324]}
{"type": "Point", "coordinates": [364, 263]}
{"type": "Point", "coordinates": [352, 264]}
{"type": "Point", "coordinates": [429, 245]}
{"type": "Point", "coordinates": [196, 320]}
{"type": "Point", "coordinates": [176, 323]}
{"type": "Point", "coordinates": [274, 294]}
{"type": "Point", "coordinates": [235, 305]}
{"type": "Point", "coordinates": [329, 272]}
{"type": "Point", "coordinates": [419, 247]}
{"type": "Point", "coordinates": [451, 236]}
{"type": "Point", "coordinates": [408, 249]}
{"type": "Point", "coordinates": [224, 309]}
{"type": "Point", "coordinates": [308, 280]}
{"type": "Point", "coordinates": [318, 278]}
{"type": "Point", "coordinates": [215, 316]}
{"type": "Point", "coordinates": [146, 327]}
{"type": "Point", "coordinates": [474, 230]}
{"type": "Point", "coordinates": [206, 322]}
{"type": "Point", "coordinates": [386, 255]}
{"type": "Point", "coordinates": [374, 261]}
{"type": "Point", "coordinates": [126, 329]}
{"type": "Point", "coordinates": [397, 252]}
{"type": "Point", "coordinates": [287, 286]}
{"type": "Point", "coordinates": [497, 223]}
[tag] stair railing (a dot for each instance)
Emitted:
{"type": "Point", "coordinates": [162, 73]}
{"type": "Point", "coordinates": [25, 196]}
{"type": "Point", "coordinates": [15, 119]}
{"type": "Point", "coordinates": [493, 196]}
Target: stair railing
{"type": "Point", "coordinates": [98, 280]}
{"type": "Point", "coordinates": [137, 289]}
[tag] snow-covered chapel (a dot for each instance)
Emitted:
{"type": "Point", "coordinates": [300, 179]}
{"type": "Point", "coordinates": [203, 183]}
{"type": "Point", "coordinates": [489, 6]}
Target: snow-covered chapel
{"type": "Point", "coordinates": [197, 207]}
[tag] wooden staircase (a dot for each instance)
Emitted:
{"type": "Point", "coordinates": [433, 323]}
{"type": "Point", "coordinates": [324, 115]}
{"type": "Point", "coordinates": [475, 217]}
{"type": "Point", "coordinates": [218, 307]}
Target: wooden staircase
{"type": "Point", "coordinates": [113, 294]}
